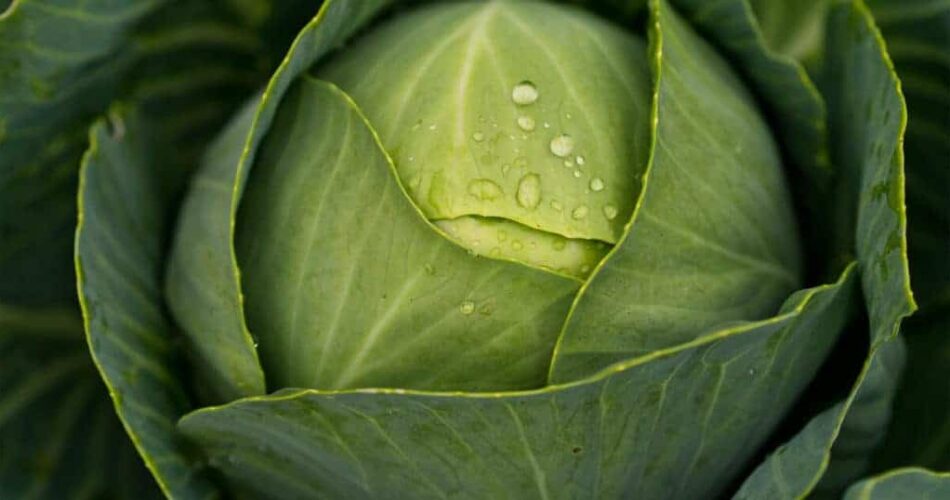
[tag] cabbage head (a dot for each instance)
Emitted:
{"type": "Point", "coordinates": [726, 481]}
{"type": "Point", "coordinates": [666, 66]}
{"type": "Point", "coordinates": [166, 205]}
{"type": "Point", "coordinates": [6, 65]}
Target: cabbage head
{"type": "Point", "coordinates": [595, 249]}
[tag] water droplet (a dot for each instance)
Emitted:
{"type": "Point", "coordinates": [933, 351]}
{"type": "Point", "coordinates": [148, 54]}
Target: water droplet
{"type": "Point", "coordinates": [416, 181]}
{"type": "Point", "coordinates": [412, 159]}
{"type": "Point", "coordinates": [580, 212]}
{"type": "Point", "coordinates": [495, 252]}
{"type": "Point", "coordinates": [547, 125]}
{"type": "Point", "coordinates": [521, 162]}
{"type": "Point", "coordinates": [556, 205]}
{"type": "Point", "coordinates": [430, 269]}
{"type": "Point", "coordinates": [517, 245]}
{"type": "Point", "coordinates": [751, 371]}
{"type": "Point", "coordinates": [478, 137]}
{"type": "Point", "coordinates": [568, 163]}
{"type": "Point", "coordinates": [585, 269]}
{"type": "Point", "coordinates": [505, 169]}
{"type": "Point", "coordinates": [487, 308]}
{"type": "Point", "coordinates": [580, 160]}
{"type": "Point", "coordinates": [577, 173]}
{"type": "Point", "coordinates": [524, 93]}
{"type": "Point", "coordinates": [432, 127]}
{"type": "Point", "coordinates": [417, 125]}
{"type": "Point", "coordinates": [562, 145]}
{"type": "Point", "coordinates": [596, 184]}
{"type": "Point", "coordinates": [529, 191]}
{"type": "Point", "coordinates": [610, 212]}
{"type": "Point", "coordinates": [484, 189]}
{"type": "Point", "coordinates": [502, 236]}
{"type": "Point", "coordinates": [467, 307]}
{"type": "Point", "coordinates": [526, 123]}
{"type": "Point", "coordinates": [559, 244]}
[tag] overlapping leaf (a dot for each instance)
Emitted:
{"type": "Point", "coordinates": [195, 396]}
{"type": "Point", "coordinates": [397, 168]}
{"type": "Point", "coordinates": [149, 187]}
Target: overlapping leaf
{"type": "Point", "coordinates": [867, 128]}
{"type": "Point", "coordinates": [209, 308]}
{"type": "Point", "coordinates": [918, 40]}
{"type": "Point", "coordinates": [684, 267]}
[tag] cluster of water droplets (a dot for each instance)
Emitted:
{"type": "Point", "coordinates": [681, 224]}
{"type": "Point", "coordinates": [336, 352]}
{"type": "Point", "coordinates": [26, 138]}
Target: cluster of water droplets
{"type": "Point", "coordinates": [561, 145]}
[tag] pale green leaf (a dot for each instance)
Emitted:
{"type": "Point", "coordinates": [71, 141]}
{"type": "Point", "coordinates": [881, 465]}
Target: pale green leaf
{"type": "Point", "coordinates": [347, 284]}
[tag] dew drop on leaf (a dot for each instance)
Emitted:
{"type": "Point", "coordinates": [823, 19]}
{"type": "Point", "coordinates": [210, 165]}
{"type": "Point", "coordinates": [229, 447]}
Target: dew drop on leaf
{"type": "Point", "coordinates": [529, 191]}
{"type": "Point", "coordinates": [579, 212]}
{"type": "Point", "coordinates": [596, 184]}
{"type": "Point", "coordinates": [524, 93]}
{"type": "Point", "coordinates": [484, 189]}
{"type": "Point", "coordinates": [562, 145]}
{"type": "Point", "coordinates": [526, 123]}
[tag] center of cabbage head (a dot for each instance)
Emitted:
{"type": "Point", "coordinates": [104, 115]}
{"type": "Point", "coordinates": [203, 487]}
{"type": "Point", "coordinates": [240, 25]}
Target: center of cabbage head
{"type": "Point", "coordinates": [518, 128]}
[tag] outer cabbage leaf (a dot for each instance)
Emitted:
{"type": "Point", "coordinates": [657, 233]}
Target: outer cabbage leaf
{"type": "Point", "coordinates": [868, 120]}
{"type": "Point", "coordinates": [60, 65]}
{"type": "Point", "coordinates": [918, 39]}
{"type": "Point", "coordinates": [120, 243]}
{"type": "Point", "coordinates": [899, 484]}
{"type": "Point", "coordinates": [58, 433]}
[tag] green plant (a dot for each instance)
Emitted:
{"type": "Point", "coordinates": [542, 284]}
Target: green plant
{"type": "Point", "coordinates": [483, 250]}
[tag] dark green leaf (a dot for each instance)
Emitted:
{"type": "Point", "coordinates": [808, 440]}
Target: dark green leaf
{"type": "Point", "coordinates": [119, 250]}
{"type": "Point", "coordinates": [60, 65]}
{"type": "Point", "coordinates": [59, 437]}
{"type": "Point", "coordinates": [868, 117]}
{"type": "Point", "coordinates": [899, 484]}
